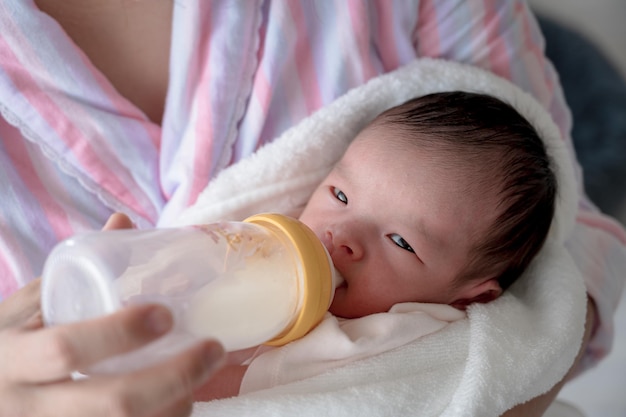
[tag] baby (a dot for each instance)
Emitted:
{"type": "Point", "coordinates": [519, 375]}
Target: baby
{"type": "Point", "coordinates": [444, 199]}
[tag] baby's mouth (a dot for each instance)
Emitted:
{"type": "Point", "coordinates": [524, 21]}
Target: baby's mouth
{"type": "Point", "coordinates": [338, 284]}
{"type": "Point", "coordinates": [338, 280]}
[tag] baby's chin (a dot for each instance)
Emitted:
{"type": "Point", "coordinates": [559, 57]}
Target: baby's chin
{"type": "Point", "coordinates": [340, 307]}
{"type": "Point", "coordinates": [344, 307]}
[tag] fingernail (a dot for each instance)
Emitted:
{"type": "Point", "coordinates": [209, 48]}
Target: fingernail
{"type": "Point", "coordinates": [159, 320]}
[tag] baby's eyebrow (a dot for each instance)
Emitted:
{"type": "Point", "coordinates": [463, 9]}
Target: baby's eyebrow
{"type": "Point", "coordinates": [343, 171]}
{"type": "Point", "coordinates": [340, 168]}
{"type": "Point", "coordinates": [431, 237]}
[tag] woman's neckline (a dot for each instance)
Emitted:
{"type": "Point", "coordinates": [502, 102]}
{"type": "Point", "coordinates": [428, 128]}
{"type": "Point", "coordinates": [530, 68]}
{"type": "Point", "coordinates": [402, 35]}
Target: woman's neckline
{"type": "Point", "coordinates": [128, 41]}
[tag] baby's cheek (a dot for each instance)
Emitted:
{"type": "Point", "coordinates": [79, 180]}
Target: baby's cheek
{"type": "Point", "coordinates": [345, 305]}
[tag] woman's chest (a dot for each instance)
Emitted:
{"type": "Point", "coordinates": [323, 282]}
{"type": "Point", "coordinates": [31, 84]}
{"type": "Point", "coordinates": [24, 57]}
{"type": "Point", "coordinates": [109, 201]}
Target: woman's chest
{"type": "Point", "coordinates": [128, 41]}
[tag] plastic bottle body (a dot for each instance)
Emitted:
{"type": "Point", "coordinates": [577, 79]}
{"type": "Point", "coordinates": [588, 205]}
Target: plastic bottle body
{"type": "Point", "coordinates": [240, 283]}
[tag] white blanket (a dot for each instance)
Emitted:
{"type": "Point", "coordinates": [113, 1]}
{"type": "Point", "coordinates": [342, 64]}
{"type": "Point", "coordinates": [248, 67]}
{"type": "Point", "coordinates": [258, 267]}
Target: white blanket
{"type": "Point", "coordinates": [505, 353]}
{"type": "Point", "coordinates": [336, 342]}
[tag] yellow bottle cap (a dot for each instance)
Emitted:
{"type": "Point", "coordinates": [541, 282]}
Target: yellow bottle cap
{"type": "Point", "coordinates": [317, 273]}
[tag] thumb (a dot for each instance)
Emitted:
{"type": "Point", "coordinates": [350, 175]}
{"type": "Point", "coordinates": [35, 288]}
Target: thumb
{"type": "Point", "coordinates": [118, 221]}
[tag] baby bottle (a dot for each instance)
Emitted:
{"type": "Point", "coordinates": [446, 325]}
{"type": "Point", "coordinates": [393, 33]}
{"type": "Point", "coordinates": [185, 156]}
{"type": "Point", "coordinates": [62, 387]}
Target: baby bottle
{"type": "Point", "coordinates": [266, 280]}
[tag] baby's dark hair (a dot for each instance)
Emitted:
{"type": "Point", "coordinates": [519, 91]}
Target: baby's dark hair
{"type": "Point", "coordinates": [504, 150]}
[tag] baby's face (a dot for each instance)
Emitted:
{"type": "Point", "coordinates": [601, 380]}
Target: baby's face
{"type": "Point", "coordinates": [398, 225]}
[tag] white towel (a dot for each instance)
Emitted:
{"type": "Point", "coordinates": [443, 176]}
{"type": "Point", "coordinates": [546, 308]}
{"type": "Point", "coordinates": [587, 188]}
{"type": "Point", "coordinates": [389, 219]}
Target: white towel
{"type": "Point", "coordinates": [336, 342]}
{"type": "Point", "coordinates": [505, 353]}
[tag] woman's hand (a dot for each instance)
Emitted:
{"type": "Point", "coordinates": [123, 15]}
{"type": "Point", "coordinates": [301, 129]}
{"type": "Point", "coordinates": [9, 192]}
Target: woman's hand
{"type": "Point", "coordinates": [36, 362]}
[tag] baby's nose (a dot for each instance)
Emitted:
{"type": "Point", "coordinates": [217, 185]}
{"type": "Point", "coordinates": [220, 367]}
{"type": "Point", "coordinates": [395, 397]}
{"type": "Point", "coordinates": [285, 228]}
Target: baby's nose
{"type": "Point", "coordinates": [343, 244]}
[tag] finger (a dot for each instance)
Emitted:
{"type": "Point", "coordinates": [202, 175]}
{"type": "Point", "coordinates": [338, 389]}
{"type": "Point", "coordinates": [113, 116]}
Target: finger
{"type": "Point", "coordinates": [163, 390]}
{"type": "Point", "coordinates": [53, 353]}
{"type": "Point", "coordinates": [20, 307]}
{"type": "Point", "coordinates": [118, 221]}
{"type": "Point", "coordinates": [74, 398]}
{"type": "Point", "coordinates": [179, 378]}
{"type": "Point", "coordinates": [34, 322]}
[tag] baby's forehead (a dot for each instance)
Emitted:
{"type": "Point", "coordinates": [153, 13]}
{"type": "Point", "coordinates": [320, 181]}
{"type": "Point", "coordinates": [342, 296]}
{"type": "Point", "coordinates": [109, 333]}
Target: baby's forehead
{"type": "Point", "coordinates": [462, 184]}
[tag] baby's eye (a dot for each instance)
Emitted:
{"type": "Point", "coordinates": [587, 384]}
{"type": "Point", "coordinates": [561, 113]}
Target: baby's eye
{"type": "Point", "coordinates": [340, 195]}
{"type": "Point", "coordinates": [399, 240]}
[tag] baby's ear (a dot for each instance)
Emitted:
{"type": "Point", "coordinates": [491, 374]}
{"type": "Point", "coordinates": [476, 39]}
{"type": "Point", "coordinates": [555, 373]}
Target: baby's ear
{"type": "Point", "coordinates": [478, 292]}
